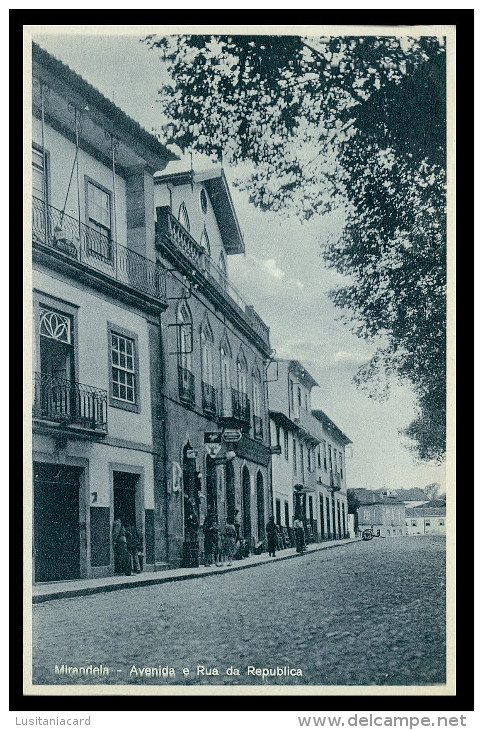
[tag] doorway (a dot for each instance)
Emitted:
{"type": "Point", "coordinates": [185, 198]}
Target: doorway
{"type": "Point", "coordinates": [260, 507]}
{"type": "Point", "coordinates": [247, 521]}
{"type": "Point", "coordinates": [56, 522]}
{"type": "Point", "coordinates": [124, 484]}
{"type": "Point", "coordinates": [230, 493]}
{"type": "Point", "coordinates": [211, 501]}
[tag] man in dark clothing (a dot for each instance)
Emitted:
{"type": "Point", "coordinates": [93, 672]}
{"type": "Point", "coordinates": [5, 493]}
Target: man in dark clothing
{"type": "Point", "coordinates": [271, 529]}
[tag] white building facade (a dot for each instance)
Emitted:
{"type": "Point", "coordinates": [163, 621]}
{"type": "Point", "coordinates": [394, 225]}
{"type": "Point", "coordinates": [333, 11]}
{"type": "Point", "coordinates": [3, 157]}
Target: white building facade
{"type": "Point", "coordinates": [98, 297]}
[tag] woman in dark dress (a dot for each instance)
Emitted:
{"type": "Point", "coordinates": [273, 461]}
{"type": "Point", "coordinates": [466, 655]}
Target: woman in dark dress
{"type": "Point", "coordinates": [271, 529]}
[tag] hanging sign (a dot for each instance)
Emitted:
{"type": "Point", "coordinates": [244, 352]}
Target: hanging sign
{"type": "Point", "coordinates": [192, 453]}
{"type": "Point", "coordinates": [212, 437]}
{"type": "Point", "coordinates": [232, 435]}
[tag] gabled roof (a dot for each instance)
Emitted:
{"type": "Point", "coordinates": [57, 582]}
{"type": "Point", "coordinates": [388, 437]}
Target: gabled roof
{"type": "Point", "coordinates": [330, 427]}
{"type": "Point", "coordinates": [295, 366]}
{"type": "Point", "coordinates": [124, 125]}
{"type": "Point", "coordinates": [217, 188]}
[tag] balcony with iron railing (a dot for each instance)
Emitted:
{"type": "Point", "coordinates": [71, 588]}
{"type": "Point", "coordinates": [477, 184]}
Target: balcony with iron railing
{"type": "Point", "coordinates": [70, 404]}
{"type": "Point", "coordinates": [75, 241]}
{"type": "Point", "coordinates": [173, 234]}
{"type": "Point", "coordinates": [186, 386]}
{"type": "Point", "coordinates": [240, 406]}
{"type": "Point", "coordinates": [208, 398]}
{"type": "Point", "coordinates": [335, 483]}
{"type": "Point", "coordinates": [258, 427]}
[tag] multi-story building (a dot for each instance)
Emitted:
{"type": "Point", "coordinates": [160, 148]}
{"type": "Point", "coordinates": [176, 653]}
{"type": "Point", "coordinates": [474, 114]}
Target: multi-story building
{"type": "Point", "coordinates": [426, 520]}
{"type": "Point", "coordinates": [381, 511]}
{"type": "Point", "coordinates": [308, 456]}
{"type": "Point", "coordinates": [331, 479]}
{"type": "Point", "coordinates": [216, 348]}
{"type": "Point", "coordinates": [99, 292]}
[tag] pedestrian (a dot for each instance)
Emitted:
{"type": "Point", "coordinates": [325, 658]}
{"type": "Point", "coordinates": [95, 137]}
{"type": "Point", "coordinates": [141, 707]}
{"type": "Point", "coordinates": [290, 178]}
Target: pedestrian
{"type": "Point", "coordinates": [272, 534]}
{"type": "Point", "coordinates": [122, 563]}
{"type": "Point", "coordinates": [299, 534]}
{"type": "Point", "coordinates": [210, 532]}
{"type": "Point", "coordinates": [237, 524]}
{"type": "Point", "coordinates": [132, 544]}
{"type": "Point", "coordinates": [229, 542]}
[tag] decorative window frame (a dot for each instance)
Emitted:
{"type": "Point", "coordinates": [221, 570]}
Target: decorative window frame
{"type": "Point", "coordinates": [115, 402]}
{"type": "Point", "coordinates": [205, 241]}
{"type": "Point", "coordinates": [203, 201]}
{"type": "Point", "coordinates": [60, 305]}
{"type": "Point", "coordinates": [183, 216]}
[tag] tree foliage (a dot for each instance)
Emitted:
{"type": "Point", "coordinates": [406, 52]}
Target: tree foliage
{"type": "Point", "coordinates": [351, 123]}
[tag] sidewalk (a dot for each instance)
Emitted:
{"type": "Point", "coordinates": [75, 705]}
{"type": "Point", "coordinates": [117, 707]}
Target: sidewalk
{"type": "Point", "coordinates": [87, 586]}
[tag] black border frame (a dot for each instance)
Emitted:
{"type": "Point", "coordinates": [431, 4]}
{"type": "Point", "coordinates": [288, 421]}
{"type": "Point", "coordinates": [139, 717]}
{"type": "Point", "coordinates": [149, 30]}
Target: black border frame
{"type": "Point", "coordinates": [463, 700]}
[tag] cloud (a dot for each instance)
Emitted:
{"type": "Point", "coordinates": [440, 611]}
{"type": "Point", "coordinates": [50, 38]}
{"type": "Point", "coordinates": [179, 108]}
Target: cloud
{"type": "Point", "coordinates": [342, 356]}
{"type": "Point", "coordinates": [270, 265]}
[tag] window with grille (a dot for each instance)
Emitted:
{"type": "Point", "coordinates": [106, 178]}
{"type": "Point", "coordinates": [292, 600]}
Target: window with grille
{"type": "Point", "coordinates": [285, 444]}
{"type": "Point", "coordinates": [38, 174]}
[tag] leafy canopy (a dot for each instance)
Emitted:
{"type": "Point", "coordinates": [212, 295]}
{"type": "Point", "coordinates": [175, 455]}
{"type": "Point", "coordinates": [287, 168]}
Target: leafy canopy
{"type": "Point", "coordinates": [356, 123]}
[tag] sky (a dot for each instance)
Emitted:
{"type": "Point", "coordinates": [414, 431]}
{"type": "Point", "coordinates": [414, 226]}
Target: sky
{"type": "Point", "coordinates": [282, 274]}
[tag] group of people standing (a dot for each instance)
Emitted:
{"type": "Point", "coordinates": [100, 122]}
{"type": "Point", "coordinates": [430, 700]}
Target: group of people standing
{"type": "Point", "coordinates": [221, 546]}
{"type": "Point", "coordinates": [128, 547]}
{"type": "Point", "coordinates": [273, 535]}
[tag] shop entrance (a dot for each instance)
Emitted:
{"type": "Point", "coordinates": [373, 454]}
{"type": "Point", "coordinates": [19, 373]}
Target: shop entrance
{"type": "Point", "coordinates": [247, 522]}
{"type": "Point", "coordinates": [56, 522]}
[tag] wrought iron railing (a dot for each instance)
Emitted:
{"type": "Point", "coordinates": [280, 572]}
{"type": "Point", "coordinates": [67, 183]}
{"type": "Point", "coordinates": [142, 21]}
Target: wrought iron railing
{"type": "Point", "coordinates": [95, 250]}
{"type": "Point", "coordinates": [240, 405]}
{"type": "Point", "coordinates": [335, 481]}
{"type": "Point", "coordinates": [186, 385]}
{"type": "Point", "coordinates": [66, 401]}
{"type": "Point", "coordinates": [178, 236]}
{"type": "Point", "coordinates": [258, 427]}
{"type": "Point", "coordinates": [208, 398]}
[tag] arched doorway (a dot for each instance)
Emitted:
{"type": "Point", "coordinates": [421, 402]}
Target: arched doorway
{"type": "Point", "coordinates": [211, 502]}
{"type": "Point", "coordinates": [230, 493]}
{"type": "Point", "coordinates": [247, 523]}
{"type": "Point", "coordinates": [260, 507]}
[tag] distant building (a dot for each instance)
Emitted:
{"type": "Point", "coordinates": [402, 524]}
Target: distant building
{"type": "Point", "coordinates": [426, 520]}
{"type": "Point", "coordinates": [385, 514]}
{"type": "Point", "coordinates": [308, 456]}
{"type": "Point", "coordinates": [414, 497]}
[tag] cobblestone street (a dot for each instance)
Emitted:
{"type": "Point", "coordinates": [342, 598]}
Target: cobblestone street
{"type": "Point", "coordinates": [367, 613]}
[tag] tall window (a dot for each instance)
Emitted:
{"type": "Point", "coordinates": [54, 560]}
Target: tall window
{"type": "Point", "coordinates": [241, 374]}
{"type": "Point", "coordinates": [99, 209]}
{"type": "Point", "coordinates": [330, 458]}
{"type": "Point", "coordinates": [340, 460]}
{"type": "Point", "coordinates": [299, 402]}
{"type": "Point", "coordinates": [324, 452]}
{"type": "Point", "coordinates": [291, 396]}
{"type": "Point", "coordinates": [124, 369]}
{"type": "Point", "coordinates": [302, 460]}
{"type": "Point", "coordinates": [38, 174]}
{"type": "Point", "coordinates": [294, 454]}
{"type": "Point", "coordinates": [185, 337]}
{"type": "Point", "coordinates": [225, 362]}
{"type": "Point", "coordinates": [319, 463]}
{"type": "Point", "coordinates": [309, 459]}
{"type": "Point", "coordinates": [123, 372]}
{"type": "Point", "coordinates": [207, 355]}
{"type": "Point", "coordinates": [257, 404]}
{"type": "Point", "coordinates": [205, 241]}
{"type": "Point", "coordinates": [222, 263]}
{"type": "Point", "coordinates": [277, 434]}
{"type": "Point", "coordinates": [285, 444]}
{"type": "Point", "coordinates": [183, 216]}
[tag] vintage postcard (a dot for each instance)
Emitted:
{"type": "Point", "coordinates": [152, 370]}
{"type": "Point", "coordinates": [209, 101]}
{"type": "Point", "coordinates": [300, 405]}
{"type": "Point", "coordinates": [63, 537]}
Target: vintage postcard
{"type": "Point", "coordinates": [239, 348]}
